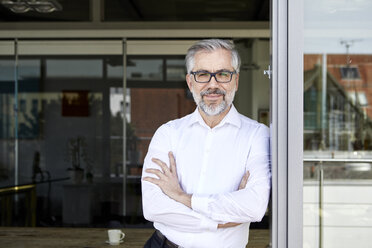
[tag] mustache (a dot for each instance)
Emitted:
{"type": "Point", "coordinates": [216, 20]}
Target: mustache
{"type": "Point", "coordinates": [213, 91]}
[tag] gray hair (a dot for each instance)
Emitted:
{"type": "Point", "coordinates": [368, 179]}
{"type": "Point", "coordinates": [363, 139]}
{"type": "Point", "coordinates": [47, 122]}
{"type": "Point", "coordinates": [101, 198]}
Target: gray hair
{"type": "Point", "coordinates": [210, 46]}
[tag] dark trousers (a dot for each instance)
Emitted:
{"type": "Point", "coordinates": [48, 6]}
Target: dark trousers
{"type": "Point", "coordinates": [157, 240]}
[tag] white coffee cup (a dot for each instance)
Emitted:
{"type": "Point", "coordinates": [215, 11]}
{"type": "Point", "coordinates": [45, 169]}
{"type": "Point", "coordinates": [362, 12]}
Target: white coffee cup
{"type": "Point", "coordinates": [115, 236]}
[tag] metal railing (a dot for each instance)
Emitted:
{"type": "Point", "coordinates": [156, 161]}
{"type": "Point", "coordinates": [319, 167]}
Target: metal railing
{"type": "Point", "coordinates": [319, 162]}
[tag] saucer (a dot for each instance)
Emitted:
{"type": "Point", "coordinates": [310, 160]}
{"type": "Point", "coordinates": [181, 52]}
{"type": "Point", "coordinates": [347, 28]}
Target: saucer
{"type": "Point", "coordinates": [108, 242]}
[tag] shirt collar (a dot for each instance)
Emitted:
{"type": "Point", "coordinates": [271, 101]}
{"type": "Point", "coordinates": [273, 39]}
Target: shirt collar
{"type": "Point", "coordinates": [232, 117]}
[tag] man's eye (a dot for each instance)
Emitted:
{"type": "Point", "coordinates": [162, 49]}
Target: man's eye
{"type": "Point", "coordinates": [223, 74]}
{"type": "Point", "coordinates": [203, 74]}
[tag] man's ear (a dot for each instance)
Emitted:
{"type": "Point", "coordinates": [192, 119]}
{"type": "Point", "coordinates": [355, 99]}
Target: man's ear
{"type": "Point", "coordinates": [189, 81]}
{"type": "Point", "coordinates": [237, 82]}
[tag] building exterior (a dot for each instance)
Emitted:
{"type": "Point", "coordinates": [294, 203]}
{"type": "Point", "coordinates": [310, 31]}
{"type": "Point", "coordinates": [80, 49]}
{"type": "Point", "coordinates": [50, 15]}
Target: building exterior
{"type": "Point", "coordinates": [84, 84]}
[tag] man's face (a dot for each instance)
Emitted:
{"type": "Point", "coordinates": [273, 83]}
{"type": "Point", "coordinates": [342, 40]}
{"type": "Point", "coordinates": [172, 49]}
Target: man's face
{"type": "Point", "coordinates": [213, 98]}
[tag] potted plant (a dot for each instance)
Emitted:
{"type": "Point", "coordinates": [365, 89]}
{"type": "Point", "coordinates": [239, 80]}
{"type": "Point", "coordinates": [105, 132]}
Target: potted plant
{"type": "Point", "coordinates": [76, 154]}
{"type": "Point", "coordinates": [132, 139]}
{"type": "Point", "coordinates": [132, 153]}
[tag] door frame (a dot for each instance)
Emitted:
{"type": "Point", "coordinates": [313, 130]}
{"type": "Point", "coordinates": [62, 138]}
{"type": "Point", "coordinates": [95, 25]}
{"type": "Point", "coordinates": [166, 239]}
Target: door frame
{"type": "Point", "coordinates": [287, 123]}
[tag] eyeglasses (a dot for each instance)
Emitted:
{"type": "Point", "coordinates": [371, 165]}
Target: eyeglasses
{"type": "Point", "coordinates": [206, 76]}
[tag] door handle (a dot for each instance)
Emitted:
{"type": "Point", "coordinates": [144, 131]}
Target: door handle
{"type": "Point", "coordinates": [268, 72]}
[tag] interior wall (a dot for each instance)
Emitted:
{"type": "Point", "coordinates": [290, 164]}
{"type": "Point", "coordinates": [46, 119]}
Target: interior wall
{"type": "Point", "coordinates": [254, 87]}
{"type": "Point", "coordinates": [261, 83]}
{"type": "Point", "coordinates": [243, 98]}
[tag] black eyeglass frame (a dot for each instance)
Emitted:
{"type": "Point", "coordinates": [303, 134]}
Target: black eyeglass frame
{"type": "Point", "coordinates": [213, 74]}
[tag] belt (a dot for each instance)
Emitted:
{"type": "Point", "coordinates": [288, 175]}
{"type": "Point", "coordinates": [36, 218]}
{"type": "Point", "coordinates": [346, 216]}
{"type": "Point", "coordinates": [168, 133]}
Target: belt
{"type": "Point", "coordinates": [167, 243]}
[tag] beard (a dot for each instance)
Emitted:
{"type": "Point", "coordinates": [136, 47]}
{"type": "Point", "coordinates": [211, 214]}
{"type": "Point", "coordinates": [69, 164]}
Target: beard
{"type": "Point", "coordinates": [214, 109]}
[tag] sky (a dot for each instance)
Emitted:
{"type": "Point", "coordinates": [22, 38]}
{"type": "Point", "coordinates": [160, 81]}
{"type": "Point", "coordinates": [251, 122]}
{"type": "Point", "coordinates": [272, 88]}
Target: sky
{"type": "Point", "coordinates": [331, 24]}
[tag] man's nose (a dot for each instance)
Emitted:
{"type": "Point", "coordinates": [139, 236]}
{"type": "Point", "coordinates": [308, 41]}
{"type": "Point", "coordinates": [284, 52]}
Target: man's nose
{"type": "Point", "coordinates": [213, 81]}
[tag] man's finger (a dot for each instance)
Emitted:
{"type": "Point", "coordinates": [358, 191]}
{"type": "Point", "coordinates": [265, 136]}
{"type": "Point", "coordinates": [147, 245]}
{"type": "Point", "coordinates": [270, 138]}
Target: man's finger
{"type": "Point", "coordinates": [162, 165]}
{"type": "Point", "coordinates": [244, 180]}
{"type": "Point", "coordinates": [227, 225]}
{"type": "Point", "coordinates": [156, 172]}
{"type": "Point", "coordinates": [152, 180]}
{"type": "Point", "coordinates": [172, 162]}
{"type": "Point", "coordinates": [247, 174]}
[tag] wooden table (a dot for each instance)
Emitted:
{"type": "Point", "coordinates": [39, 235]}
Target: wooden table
{"type": "Point", "coordinates": [42, 237]}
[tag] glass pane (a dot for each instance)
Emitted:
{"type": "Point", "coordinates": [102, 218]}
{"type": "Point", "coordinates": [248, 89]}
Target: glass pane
{"type": "Point", "coordinates": [7, 121]}
{"type": "Point", "coordinates": [147, 113]}
{"type": "Point", "coordinates": [68, 144]}
{"type": "Point", "coordinates": [71, 115]}
{"type": "Point", "coordinates": [74, 68]}
{"type": "Point", "coordinates": [145, 70]}
{"type": "Point", "coordinates": [176, 70]}
{"type": "Point", "coordinates": [337, 124]}
{"type": "Point", "coordinates": [6, 70]}
{"type": "Point", "coordinates": [114, 68]}
{"type": "Point", "coordinates": [28, 125]}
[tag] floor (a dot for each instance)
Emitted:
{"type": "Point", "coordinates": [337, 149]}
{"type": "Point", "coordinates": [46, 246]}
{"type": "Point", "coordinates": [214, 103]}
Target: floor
{"type": "Point", "coordinates": [39, 237]}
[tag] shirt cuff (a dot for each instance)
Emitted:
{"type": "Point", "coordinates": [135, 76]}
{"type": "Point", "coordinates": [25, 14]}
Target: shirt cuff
{"type": "Point", "coordinates": [208, 224]}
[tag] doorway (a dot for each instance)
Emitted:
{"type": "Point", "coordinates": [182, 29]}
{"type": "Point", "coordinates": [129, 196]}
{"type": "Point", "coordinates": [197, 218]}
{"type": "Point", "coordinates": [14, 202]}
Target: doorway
{"type": "Point", "coordinates": [72, 96]}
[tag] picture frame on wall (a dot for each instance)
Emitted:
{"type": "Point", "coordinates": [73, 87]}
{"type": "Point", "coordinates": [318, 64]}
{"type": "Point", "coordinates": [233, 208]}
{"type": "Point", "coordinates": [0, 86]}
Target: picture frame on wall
{"type": "Point", "coordinates": [75, 103]}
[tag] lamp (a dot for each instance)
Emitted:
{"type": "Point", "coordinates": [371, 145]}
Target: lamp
{"type": "Point", "coordinates": [23, 6]}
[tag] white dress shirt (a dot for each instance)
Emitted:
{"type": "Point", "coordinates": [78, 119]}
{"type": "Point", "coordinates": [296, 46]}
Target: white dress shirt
{"type": "Point", "coordinates": [210, 165]}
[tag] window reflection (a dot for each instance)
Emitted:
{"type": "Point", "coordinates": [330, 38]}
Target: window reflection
{"type": "Point", "coordinates": [145, 69]}
{"type": "Point", "coordinates": [345, 124]}
{"type": "Point", "coordinates": [348, 72]}
{"type": "Point", "coordinates": [337, 124]}
{"type": "Point", "coordinates": [74, 68]}
{"type": "Point", "coordinates": [70, 119]}
{"type": "Point", "coordinates": [176, 70]}
{"type": "Point", "coordinates": [6, 70]}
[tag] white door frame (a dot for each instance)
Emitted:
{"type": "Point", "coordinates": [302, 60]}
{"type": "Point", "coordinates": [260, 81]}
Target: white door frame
{"type": "Point", "coordinates": [287, 123]}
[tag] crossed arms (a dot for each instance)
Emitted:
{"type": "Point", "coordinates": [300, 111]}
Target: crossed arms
{"type": "Point", "coordinates": [168, 182]}
{"type": "Point", "coordinates": [164, 201]}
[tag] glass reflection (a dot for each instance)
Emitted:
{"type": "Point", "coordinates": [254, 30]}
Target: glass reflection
{"type": "Point", "coordinates": [337, 124]}
{"type": "Point", "coordinates": [145, 69]}
{"type": "Point", "coordinates": [176, 70]}
{"type": "Point", "coordinates": [70, 138]}
{"type": "Point", "coordinates": [74, 68]}
{"type": "Point", "coordinates": [62, 142]}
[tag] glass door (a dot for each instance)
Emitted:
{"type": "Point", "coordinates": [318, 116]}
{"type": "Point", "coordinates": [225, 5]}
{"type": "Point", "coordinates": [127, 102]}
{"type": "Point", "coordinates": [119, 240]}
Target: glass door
{"type": "Point", "coordinates": [78, 114]}
{"type": "Point", "coordinates": [286, 123]}
{"type": "Point", "coordinates": [337, 124]}
{"type": "Point", "coordinates": [57, 133]}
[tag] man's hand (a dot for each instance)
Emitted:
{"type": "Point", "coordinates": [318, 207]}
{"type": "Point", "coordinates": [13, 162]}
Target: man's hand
{"type": "Point", "coordinates": [168, 180]}
{"type": "Point", "coordinates": [244, 181]}
{"type": "Point", "coordinates": [242, 185]}
{"type": "Point", "coordinates": [227, 225]}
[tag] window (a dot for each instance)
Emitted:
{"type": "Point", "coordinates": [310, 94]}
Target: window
{"type": "Point", "coordinates": [349, 72]}
{"type": "Point", "coordinates": [362, 98]}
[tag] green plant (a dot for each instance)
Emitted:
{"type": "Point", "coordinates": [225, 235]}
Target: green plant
{"type": "Point", "coordinates": [77, 153]}
{"type": "Point", "coordinates": [132, 139]}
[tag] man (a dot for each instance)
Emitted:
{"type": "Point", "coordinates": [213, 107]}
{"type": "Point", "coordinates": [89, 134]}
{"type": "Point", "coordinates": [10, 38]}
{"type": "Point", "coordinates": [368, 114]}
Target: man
{"type": "Point", "coordinates": [207, 175]}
